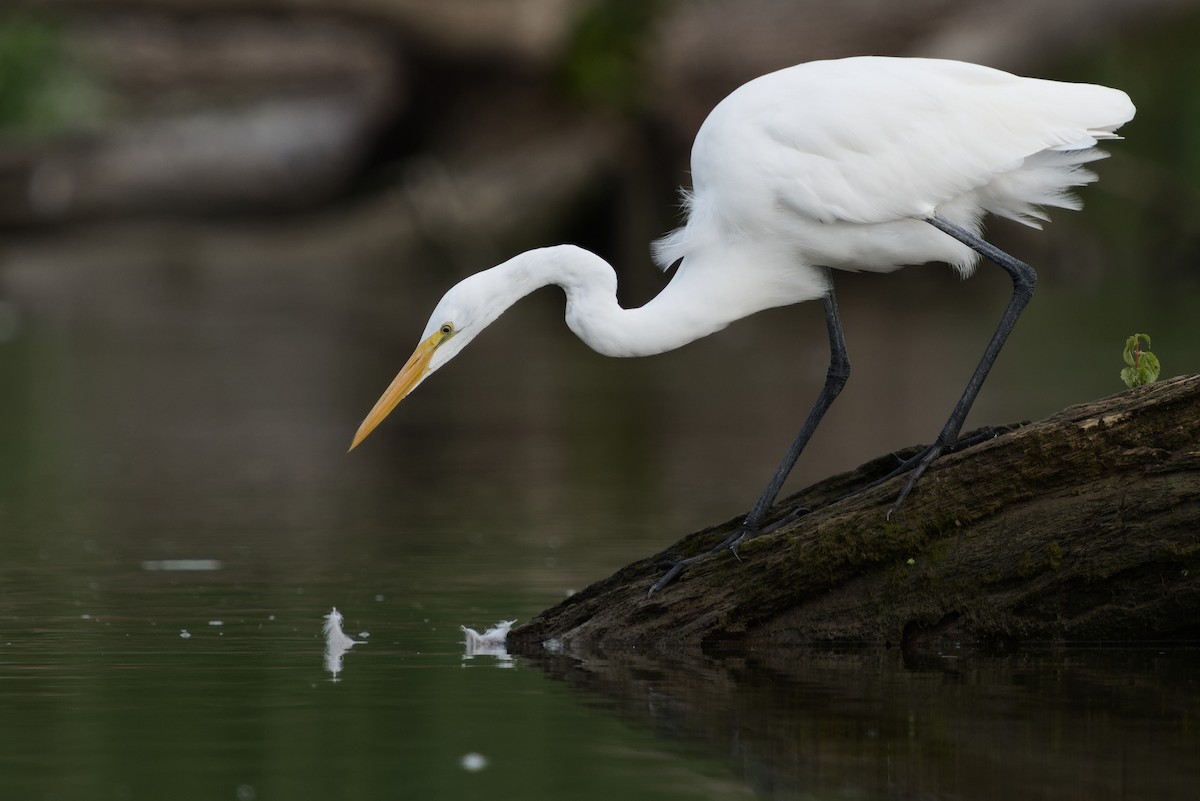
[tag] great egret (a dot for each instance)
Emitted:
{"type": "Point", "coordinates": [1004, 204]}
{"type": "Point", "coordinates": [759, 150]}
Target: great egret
{"type": "Point", "coordinates": [862, 163]}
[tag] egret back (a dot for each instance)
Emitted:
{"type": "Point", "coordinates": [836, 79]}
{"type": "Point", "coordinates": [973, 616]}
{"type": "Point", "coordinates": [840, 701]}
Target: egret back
{"type": "Point", "coordinates": [840, 161]}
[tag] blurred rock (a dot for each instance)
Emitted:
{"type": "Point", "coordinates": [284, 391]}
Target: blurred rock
{"type": "Point", "coordinates": [220, 114]}
{"type": "Point", "coordinates": [705, 50]}
{"type": "Point", "coordinates": [459, 213]}
{"type": "Point", "coordinates": [529, 31]}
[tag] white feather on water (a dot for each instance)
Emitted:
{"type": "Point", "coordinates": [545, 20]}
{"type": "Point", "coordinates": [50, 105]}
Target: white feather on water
{"type": "Point", "coordinates": [336, 642]}
{"type": "Point", "coordinates": [489, 643]}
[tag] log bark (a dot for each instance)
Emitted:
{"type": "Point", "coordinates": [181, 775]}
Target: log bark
{"type": "Point", "coordinates": [1082, 527]}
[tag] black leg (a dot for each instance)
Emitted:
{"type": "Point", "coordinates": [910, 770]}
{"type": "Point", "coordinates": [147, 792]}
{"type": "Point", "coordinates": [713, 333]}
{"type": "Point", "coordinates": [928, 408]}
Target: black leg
{"type": "Point", "coordinates": [835, 379]}
{"type": "Point", "coordinates": [1023, 278]}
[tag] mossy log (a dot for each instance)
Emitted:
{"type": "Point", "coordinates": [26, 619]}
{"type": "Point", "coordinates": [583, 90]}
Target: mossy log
{"type": "Point", "coordinates": [1082, 527]}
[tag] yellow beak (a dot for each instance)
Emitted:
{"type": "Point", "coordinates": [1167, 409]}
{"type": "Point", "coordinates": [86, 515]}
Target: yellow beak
{"type": "Point", "coordinates": [413, 372]}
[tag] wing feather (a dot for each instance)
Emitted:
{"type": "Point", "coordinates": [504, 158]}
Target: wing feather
{"type": "Point", "coordinates": [875, 140]}
{"type": "Point", "coordinates": [870, 140]}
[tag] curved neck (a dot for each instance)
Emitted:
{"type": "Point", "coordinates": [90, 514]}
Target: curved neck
{"type": "Point", "coordinates": [672, 319]}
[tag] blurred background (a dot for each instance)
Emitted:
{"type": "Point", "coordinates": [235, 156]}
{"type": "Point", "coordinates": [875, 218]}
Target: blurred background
{"type": "Point", "coordinates": [223, 225]}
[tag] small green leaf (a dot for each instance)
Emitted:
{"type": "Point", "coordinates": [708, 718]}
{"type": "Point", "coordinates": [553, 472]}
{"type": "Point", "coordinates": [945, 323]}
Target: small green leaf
{"type": "Point", "coordinates": [1150, 367]}
{"type": "Point", "coordinates": [1143, 365]}
{"type": "Point", "coordinates": [1130, 344]}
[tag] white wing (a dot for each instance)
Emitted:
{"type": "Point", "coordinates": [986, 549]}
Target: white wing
{"type": "Point", "coordinates": [872, 140]}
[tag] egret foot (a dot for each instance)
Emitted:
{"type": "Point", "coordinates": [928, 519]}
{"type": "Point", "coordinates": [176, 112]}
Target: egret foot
{"type": "Point", "coordinates": [739, 535]}
{"type": "Point", "coordinates": [916, 464]}
{"type": "Point", "coordinates": [920, 461]}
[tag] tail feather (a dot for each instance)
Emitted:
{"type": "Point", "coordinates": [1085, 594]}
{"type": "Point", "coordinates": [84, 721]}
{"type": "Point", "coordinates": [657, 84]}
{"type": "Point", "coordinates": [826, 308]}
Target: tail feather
{"type": "Point", "coordinates": [1043, 179]}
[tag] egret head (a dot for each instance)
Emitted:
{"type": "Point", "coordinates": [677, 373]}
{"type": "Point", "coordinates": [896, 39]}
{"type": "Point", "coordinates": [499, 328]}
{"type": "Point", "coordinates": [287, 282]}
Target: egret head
{"type": "Point", "coordinates": [461, 314]}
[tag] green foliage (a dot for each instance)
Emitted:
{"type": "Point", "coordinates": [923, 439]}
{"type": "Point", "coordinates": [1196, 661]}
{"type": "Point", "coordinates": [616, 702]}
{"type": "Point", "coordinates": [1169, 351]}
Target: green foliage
{"type": "Point", "coordinates": [38, 89]}
{"type": "Point", "coordinates": [27, 53]}
{"type": "Point", "coordinates": [606, 61]}
{"type": "Point", "coordinates": [1143, 365]}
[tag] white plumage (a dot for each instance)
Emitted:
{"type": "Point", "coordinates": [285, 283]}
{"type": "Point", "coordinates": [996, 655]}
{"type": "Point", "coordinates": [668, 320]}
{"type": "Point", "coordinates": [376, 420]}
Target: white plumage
{"type": "Point", "coordinates": [489, 643]}
{"type": "Point", "coordinates": [818, 155]}
{"type": "Point", "coordinates": [856, 164]}
{"type": "Point", "coordinates": [336, 642]}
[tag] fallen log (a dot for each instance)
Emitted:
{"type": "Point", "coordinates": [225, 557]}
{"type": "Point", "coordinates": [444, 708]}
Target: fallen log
{"type": "Point", "coordinates": [1082, 527]}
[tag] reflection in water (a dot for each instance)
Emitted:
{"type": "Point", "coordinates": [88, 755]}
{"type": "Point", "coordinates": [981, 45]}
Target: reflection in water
{"type": "Point", "coordinates": [181, 564]}
{"type": "Point", "coordinates": [873, 723]}
{"type": "Point", "coordinates": [473, 762]}
{"type": "Point", "coordinates": [336, 643]}
{"type": "Point", "coordinates": [490, 643]}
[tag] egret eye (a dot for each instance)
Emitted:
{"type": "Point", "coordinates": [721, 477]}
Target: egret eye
{"type": "Point", "coordinates": [447, 328]}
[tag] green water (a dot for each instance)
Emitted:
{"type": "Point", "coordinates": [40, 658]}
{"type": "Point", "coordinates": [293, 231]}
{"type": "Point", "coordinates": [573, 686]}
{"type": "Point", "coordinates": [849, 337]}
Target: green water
{"type": "Point", "coordinates": [104, 698]}
{"type": "Point", "coordinates": [213, 425]}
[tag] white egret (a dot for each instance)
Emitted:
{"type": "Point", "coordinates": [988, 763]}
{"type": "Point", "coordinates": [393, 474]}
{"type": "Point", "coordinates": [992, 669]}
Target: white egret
{"type": "Point", "coordinates": [856, 164]}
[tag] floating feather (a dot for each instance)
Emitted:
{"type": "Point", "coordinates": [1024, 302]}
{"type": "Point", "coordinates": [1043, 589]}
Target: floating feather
{"type": "Point", "coordinates": [490, 643]}
{"type": "Point", "coordinates": [336, 642]}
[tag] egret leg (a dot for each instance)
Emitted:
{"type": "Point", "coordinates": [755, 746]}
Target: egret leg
{"type": "Point", "coordinates": [835, 379]}
{"type": "Point", "coordinates": [1024, 279]}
